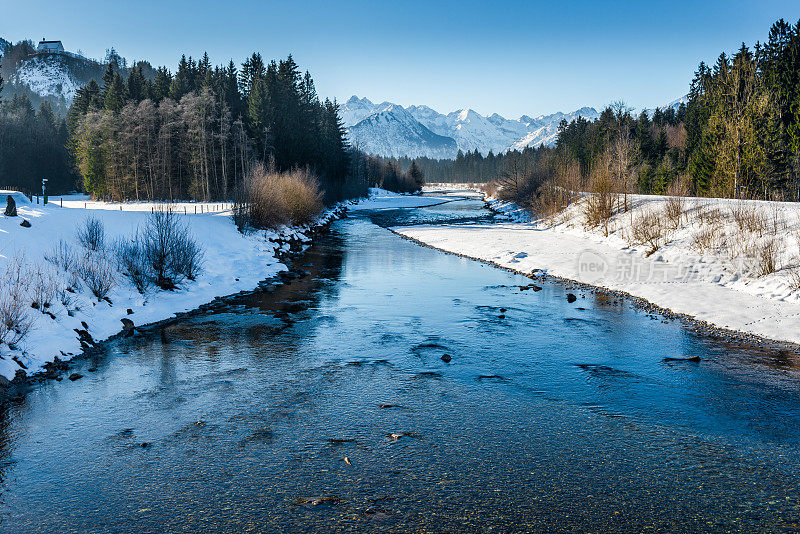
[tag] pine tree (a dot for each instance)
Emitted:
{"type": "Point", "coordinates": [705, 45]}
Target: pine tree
{"type": "Point", "coordinates": [416, 176]}
{"type": "Point", "coordinates": [162, 84]}
{"type": "Point", "coordinates": [115, 94]}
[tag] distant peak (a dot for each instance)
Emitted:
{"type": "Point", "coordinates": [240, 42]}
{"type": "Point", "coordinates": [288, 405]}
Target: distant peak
{"type": "Point", "coordinates": [354, 100]}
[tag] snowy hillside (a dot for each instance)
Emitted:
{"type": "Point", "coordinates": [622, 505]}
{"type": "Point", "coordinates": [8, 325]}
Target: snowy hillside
{"type": "Point", "coordinates": [48, 76]}
{"type": "Point", "coordinates": [468, 129]}
{"type": "Point", "coordinates": [52, 77]}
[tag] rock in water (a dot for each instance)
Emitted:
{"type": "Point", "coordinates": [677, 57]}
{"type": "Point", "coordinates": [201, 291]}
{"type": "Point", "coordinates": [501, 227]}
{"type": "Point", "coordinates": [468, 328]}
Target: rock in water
{"type": "Point", "coordinates": [693, 358]}
{"type": "Point", "coordinates": [446, 358]}
{"type": "Point", "coordinates": [11, 207]}
{"type": "Point", "coordinates": [25, 223]}
{"type": "Point", "coordinates": [127, 327]}
{"type": "Point", "coordinates": [571, 298]}
{"type": "Point", "coordinates": [75, 376]}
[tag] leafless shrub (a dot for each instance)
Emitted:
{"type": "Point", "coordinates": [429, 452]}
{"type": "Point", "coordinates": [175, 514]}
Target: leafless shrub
{"type": "Point", "coordinates": [62, 256]}
{"type": "Point", "coordinates": [98, 273]}
{"type": "Point", "coordinates": [767, 257]}
{"type": "Point", "coordinates": [777, 221]}
{"type": "Point", "coordinates": [269, 199]}
{"type": "Point", "coordinates": [708, 238]}
{"type": "Point", "coordinates": [599, 207]}
{"type": "Point", "coordinates": [131, 262]}
{"type": "Point", "coordinates": [551, 200]}
{"type": "Point", "coordinates": [794, 277]}
{"type": "Point", "coordinates": [43, 288]}
{"type": "Point", "coordinates": [64, 295]}
{"type": "Point", "coordinates": [171, 254]}
{"type": "Point", "coordinates": [91, 234]}
{"type": "Point", "coordinates": [709, 216]}
{"type": "Point", "coordinates": [648, 228]}
{"type": "Point", "coordinates": [15, 318]}
{"type": "Point", "coordinates": [740, 246]}
{"type": "Point", "coordinates": [674, 210]}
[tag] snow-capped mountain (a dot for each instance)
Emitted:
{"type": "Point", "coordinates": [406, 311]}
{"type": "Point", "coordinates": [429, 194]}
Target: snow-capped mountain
{"type": "Point", "coordinates": [392, 131]}
{"type": "Point", "coordinates": [467, 129]}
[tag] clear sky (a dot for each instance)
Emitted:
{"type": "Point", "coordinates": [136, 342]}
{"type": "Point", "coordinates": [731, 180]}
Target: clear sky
{"type": "Point", "coordinates": [512, 58]}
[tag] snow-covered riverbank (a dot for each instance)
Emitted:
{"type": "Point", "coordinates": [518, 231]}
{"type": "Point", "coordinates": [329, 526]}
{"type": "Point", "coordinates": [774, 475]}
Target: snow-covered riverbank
{"type": "Point", "coordinates": [232, 263]}
{"type": "Point", "coordinates": [709, 275]}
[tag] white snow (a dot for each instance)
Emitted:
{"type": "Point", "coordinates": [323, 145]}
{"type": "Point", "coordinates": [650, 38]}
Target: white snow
{"type": "Point", "coordinates": [232, 262]}
{"type": "Point", "coordinates": [714, 286]}
{"type": "Point", "coordinates": [48, 76]}
{"type": "Point", "coordinates": [380, 199]}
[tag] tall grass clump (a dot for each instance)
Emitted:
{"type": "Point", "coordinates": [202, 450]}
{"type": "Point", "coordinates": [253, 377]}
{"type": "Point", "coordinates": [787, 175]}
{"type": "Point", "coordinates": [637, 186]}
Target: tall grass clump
{"type": "Point", "coordinates": [271, 199]}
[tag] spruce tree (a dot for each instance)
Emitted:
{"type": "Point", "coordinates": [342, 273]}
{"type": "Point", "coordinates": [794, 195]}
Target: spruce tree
{"type": "Point", "coordinates": [115, 95]}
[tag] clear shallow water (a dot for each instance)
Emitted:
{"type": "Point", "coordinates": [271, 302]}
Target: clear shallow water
{"type": "Point", "coordinates": [557, 417]}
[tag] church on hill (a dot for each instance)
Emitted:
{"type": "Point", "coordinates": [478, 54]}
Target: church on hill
{"type": "Point", "coordinates": [50, 47]}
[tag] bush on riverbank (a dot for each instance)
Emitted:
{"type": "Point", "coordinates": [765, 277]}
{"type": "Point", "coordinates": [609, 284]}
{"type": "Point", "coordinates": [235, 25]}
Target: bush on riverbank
{"type": "Point", "coordinates": [163, 253]}
{"type": "Point", "coordinates": [271, 199]}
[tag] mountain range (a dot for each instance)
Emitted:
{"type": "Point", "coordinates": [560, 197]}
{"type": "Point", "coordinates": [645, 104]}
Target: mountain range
{"type": "Point", "coordinates": [388, 129]}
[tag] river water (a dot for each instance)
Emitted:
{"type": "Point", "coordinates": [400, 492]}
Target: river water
{"type": "Point", "coordinates": [325, 405]}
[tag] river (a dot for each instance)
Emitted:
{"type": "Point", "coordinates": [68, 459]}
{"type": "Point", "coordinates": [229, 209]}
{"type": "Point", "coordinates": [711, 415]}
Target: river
{"type": "Point", "coordinates": [325, 405]}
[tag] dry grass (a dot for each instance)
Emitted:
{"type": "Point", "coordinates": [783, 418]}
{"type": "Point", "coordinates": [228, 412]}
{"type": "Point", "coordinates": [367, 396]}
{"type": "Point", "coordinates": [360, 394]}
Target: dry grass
{"type": "Point", "coordinates": [271, 199]}
{"type": "Point", "coordinates": [794, 277]}
{"type": "Point", "coordinates": [648, 228]}
{"type": "Point", "coordinates": [707, 216]}
{"type": "Point", "coordinates": [490, 189]}
{"type": "Point", "coordinates": [767, 257]}
{"type": "Point", "coordinates": [749, 218]}
{"type": "Point", "coordinates": [552, 200]}
{"type": "Point", "coordinates": [674, 211]}
{"type": "Point", "coordinates": [709, 238]}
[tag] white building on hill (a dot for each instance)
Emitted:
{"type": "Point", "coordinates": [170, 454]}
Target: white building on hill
{"type": "Point", "coordinates": [50, 47]}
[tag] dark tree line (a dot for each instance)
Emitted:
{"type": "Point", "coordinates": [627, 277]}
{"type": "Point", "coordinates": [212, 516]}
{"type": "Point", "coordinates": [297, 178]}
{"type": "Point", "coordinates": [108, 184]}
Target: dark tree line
{"type": "Point", "coordinates": [33, 147]}
{"type": "Point", "coordinates": [386, 173]}
{"type": "Point", "coordinates": [151, 134]}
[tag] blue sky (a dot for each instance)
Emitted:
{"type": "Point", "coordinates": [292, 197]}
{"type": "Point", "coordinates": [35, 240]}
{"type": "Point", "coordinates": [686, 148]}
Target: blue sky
{"type": "Point", "coordinates": [512, 58]}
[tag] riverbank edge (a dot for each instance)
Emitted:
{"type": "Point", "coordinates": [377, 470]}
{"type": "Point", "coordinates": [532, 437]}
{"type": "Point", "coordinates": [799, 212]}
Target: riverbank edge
{"type": "Point", "coordinates": [691, 323]}
{"type": "Point", "coordinates": [11, 390]}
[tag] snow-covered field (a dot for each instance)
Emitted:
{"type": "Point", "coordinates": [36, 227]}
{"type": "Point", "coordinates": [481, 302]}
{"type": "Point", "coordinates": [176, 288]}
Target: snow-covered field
{"type": "Point", "coordinates": [710, 263]}
{"type": "Point", "coordinates": [232, 262]}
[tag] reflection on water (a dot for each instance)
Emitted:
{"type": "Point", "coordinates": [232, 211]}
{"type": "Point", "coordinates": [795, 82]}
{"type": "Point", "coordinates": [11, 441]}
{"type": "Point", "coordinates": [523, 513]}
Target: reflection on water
{"type": "Point", "coordinates": [326, 405]}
